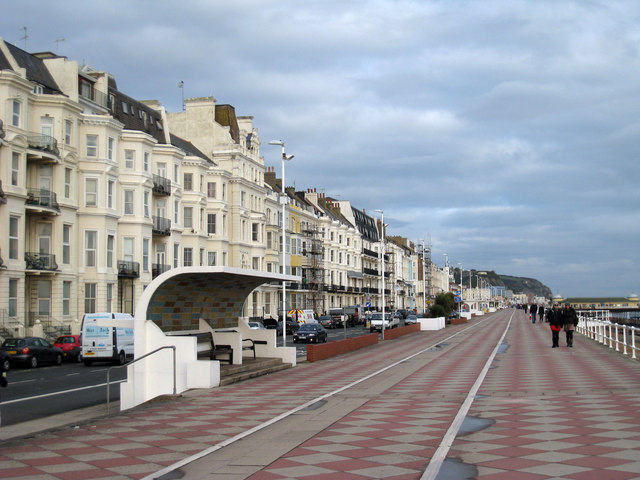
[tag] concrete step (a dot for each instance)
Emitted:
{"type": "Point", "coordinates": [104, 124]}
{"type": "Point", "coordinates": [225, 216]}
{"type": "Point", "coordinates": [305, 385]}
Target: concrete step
{"type": "Point", "coordinates": [250, 368]}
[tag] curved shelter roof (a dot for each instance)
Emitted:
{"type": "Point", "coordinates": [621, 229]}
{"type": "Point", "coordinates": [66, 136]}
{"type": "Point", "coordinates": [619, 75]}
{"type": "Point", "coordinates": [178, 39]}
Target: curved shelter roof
{"type": "Point", "coordinates": [179, 298]}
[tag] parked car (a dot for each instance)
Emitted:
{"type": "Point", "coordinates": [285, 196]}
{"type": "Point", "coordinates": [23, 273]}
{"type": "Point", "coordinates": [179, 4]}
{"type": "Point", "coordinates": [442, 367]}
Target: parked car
{"type": "Point", "coordinates": [270, 323]}
{"type": "Point", "coordinates": [326, 321]}
{"type": "Point", "coordinates": [292, 326]}
{"type": "Point", "coordinates": [411, 319]}
{"type": "Point", "coordinates": [311, 333]}
{"type": "Point", "coordinates": [31, 351]}
{"type": "Point", "coordinates": [390, 322]}
{"type": "Point", "coordinates": [4, 359]}
{"type": "Point", "coordinates": [71, 346]}
{"type": "Point", "coordinates": [256, 326]}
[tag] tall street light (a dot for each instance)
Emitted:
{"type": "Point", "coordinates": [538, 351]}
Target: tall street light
{"type": "Point", "coordinates": [424, 282]}
{"type": "Point", "coordinates": [460, 307]}
{"type": "Point", "coordinates": [283, 202]}
{"type": "Point", "coordinates": [381, 212]}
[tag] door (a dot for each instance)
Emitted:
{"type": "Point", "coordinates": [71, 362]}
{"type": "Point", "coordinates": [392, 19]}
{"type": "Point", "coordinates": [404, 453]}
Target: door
{"type": "Point", "coordinates": [44, 184]}
{"type": "Point", "coordinates": [44, 245]}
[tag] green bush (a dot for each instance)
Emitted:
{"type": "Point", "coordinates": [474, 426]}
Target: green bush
{"type": "Point", "coordinates": [436, 311]}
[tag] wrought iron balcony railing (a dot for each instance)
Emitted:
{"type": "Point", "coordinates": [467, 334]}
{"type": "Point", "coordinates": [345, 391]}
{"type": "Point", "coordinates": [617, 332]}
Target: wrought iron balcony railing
{"type": "Point", "coordinates": [159, 269]}
{"type": "Point", "coordinates": [40, 261]}
{"type": "Point", "coordinates": [42, 198]}
{"type": "Point", "coordinates": [128, 269]}
{"type": "Point", "coordinates": [161, 185]}
{"type": "Point", "coordinates": [39, 141]}
{"type": "Point", "coordinates": [161, 226]}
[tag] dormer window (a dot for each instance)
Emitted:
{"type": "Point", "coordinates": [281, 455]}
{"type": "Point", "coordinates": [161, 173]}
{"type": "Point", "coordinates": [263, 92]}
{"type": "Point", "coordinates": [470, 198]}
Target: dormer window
{"type": "Point", "coordinates": [38, 89]}
{"type": "Point", "coordinates": [125, 107]}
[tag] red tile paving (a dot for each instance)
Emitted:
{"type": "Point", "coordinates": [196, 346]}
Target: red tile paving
{"type": "Point", "coordinates": [557, 413]}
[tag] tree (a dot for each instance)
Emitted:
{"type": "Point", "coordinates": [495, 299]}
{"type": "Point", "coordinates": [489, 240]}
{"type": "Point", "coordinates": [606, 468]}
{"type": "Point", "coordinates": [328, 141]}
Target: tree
{"type": "Point", "coordinates": [444, 305]}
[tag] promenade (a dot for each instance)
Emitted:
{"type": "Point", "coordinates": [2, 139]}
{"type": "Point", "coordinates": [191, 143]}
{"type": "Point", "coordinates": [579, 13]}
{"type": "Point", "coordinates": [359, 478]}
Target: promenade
{"type": "Point", "coordinates": [489, 399]}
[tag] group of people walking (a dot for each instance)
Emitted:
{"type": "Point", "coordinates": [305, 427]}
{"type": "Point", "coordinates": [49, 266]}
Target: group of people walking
{"type": "Point", "coordinates": [559, 319]}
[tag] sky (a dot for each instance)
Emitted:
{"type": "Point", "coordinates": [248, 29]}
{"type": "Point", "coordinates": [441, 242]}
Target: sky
{"type": "Point", "coordinates": [503, 132]}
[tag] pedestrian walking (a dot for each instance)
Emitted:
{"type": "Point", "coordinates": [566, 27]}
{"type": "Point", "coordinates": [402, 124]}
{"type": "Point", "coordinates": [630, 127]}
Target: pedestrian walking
{"type": "Point", "coordinates": [570, 320]}
{"type": "Point", "coordinates": [533, 309]}
{"type": "Point", "coordinates": [555, 318]}
{"type": "Point", "coordinates": [541, 313]}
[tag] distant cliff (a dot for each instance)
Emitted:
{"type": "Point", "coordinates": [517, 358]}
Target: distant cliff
{"type": "Point", "coordinates": [515, 284]}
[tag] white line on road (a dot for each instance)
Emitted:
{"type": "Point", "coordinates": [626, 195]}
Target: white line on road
{"type": "Point", "coordinates": [284, 415]}
{"type": "Point", "coordinates": [44, 395]}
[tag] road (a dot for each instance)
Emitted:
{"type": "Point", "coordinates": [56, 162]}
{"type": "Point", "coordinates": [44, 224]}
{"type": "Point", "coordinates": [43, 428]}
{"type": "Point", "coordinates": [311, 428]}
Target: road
{"type": "Point", "coordinates": [35, 394]}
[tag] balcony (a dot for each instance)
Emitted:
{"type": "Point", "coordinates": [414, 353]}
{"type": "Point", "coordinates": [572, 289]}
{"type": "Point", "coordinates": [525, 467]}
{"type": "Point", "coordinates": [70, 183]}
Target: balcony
{"type": "Point", "coordinates": [161, 185]}
{"type": "Point", "coordinates": [371, 271]}
{"type": "Point", "coordinates": [39, 199]}
{"type": "Point", "coordinates": [370, 253]}
{"type": "Point", "coordinates": [40, 144]}
{"type": "Point", "coordinates": [128, 269]}
{"type": "Point", "coordinates": [40, 261]}
{"type": "Point", "coordinates": [158, 269]}
{"type": "Point", "coordinates": [161, 226]}
{"type": "Point", "coordinates": [93, 95]}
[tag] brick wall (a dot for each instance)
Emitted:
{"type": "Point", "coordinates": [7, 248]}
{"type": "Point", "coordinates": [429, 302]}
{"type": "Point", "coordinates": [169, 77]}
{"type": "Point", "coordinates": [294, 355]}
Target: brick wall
{"type": "Point", "coordinates": [331, 349]}
{"type": "Point", "coordinates": [400, 331]}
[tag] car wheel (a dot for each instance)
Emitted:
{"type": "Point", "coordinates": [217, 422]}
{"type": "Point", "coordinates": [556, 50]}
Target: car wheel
{"type": "Point", "coordinates": [121, 358]}
{"type": "Point", "coordinates": [33, 363]}
{"type": "Point", "coordinates": [6, 364]}
{"type": "Point", "coordinates": [59, 359]}
{"type": "Point", "coordinates": [87, 363]}
{"type": "Point", "coordinates": [79, 357]}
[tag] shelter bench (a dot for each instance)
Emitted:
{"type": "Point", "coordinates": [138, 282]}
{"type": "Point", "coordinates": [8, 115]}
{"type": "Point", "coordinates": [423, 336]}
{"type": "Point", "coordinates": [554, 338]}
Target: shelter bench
{"type": "Point", "coordinates": [206, 347]}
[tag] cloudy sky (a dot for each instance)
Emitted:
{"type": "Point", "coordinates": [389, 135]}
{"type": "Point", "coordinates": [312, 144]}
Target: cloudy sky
{"type": "Point", "coordinates": [506, 131]}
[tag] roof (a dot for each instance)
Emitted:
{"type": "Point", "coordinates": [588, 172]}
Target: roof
{"type": "Point", "coordinates": [598, 300]}
{"type": "Point", "coordinates": [35, 68]}
{"type": "Point", "coordinates": [137, 116]}
{"type": "Point", "coordinates": [188, 147]}
{"type": "Point", "coordinates": [226, 116]}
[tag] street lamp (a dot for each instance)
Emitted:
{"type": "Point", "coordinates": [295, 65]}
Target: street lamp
{"type": "Point", "coordinates": [382, 257]}
{"type": "Point", "coordinates": [424, 283]}
{"type": "Point", "coordinates": [460, 306]}
{"type": "Point", "coordinates": [283, 201]}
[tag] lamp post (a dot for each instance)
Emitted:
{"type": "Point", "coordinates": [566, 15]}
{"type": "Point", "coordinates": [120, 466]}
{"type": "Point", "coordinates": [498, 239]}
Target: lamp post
{"type": "Point", "coordinates": [424, 283]}
{"type": "Point", "coordinates": [461, 282]}
{"type": "Point", "coordinates": [382, 258]}
{"type": "Point", "coordinates": [283, 201]}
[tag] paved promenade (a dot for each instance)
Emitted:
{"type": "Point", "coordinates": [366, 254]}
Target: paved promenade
{"type": "Point", "coordinates": [490, 399]}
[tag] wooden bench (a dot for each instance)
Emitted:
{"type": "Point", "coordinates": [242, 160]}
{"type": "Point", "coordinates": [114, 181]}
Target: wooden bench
{"type": "Point", "coordinates": [252, 345]}
{"type": "Point", "coordinates": [206, 347]}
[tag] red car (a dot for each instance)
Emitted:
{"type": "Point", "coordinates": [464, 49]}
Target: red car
{"type": "Point", "coordinates": [71, 346]}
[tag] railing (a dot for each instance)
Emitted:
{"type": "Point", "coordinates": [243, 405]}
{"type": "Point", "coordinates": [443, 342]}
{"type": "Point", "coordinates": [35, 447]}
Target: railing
{"type": "Point", "coordinates": [96, 96]}
{"type": "Point", "coordinates": [370, 253]}
{"type": "Point", "coordinates": [40, 141]}
{"type": "Point", "coordinates": [371, 271]}
{"type": "Point", "coordinates": [40, 261]}
{"type": "Point", "coordinates": [609, 333]}
{"type": "Point", "coordinates": [159, 269]}
{"type": "Point", "coordinates": [2, 132]}
{"type": "Point", "coordinates": [161, 185]}
{"type": "Point", "coordinates": [172, 347]}
{"type": "Point", "coordinates": [161, 226]}
{"type": "Point", "coordinates": [42, 198]}
{"type": "Point", "coordinates": [128, 269]}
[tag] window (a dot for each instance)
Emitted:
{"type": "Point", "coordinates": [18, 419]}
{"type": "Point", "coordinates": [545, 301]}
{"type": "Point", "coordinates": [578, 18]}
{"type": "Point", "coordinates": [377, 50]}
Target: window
{"type": "Point", "coordinates": [201, 263]}
{"type": "Point", "coordinates": [13, 237]}
{"type": "Point", "coordinates": [269, 240]}
{"type": "Point", "coordinates": [254, 231]}
{"type": "Point", "coordinates": [91, 192]}
{"type": "Point", "coordinates": [188, 257]}
{"type": "Point", "coordinates": [15, 168]}
{"type": "Point", "coordinates": [188, 181]}
{"type": "Point", "coordinates": [130, 159]}
{"type": "Point", "coordinates": [212, 259]}
{"type": "Point", "coordinates": [46, 127]}
{"type": "Point", "coordinates": [67, 132]}
{"type": "Point", "coordinates": [176, 173]}
{"type": "Point", "coordinates": [110, 143]}
{"type": "Point", "coordinates": [125, 107]}
{"type": "Point", "coordinates": [176, 211]}
{"type": "Point", "coordinates": [176, 254]}
{"type": "Point", "coordinates": [224, 191]}
{"type": "Point", "coordinates": [146, 204]}
{"type": "Point", "coordinates": [128, 249]}
{"type": "Point", "coordinates": [211, 190]}
{"type": "Point", "coordinates": [110, 185]}
{"type": "Point", "coordinates": [109, 296]}
{"type": "Point", "coordinates": [92, 145]}
{"type": "Point", "coordinates": [67, 183]}
{"type": "Point", "coordinates": [66, 298]}
{"type": "Point", "coordinates": [44, 297]}
{"type": "Point", "coordinates": [110, 243]}
{"type": "Point", "coordinates": [13, 297]}
{"type": "Point", "coordinates": [243, 198]}
{"type": "Point", "coordinates": [90, 247]}
{"type": "Point", "coordinates": [66, 244]}
{"type": "Point", "coordinates": [145, 162]}
{"type": "Point", "coordinates": [90, 297]}
{"type": "Point", "coordinates": [145, 254]}
{"type": "Point", "coordinates": [128, 202]}
{"type": "Point", "coordinates": [15, 119]}
{"type": "Point", "coordinates": [188, 217]}
{"type": "Point", "coordinates": [211, 223]}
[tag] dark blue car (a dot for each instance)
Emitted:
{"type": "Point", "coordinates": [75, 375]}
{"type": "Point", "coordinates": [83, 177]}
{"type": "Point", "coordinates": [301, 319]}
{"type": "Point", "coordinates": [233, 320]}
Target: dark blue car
{"type": "Point", "coordinates": [310, 333]}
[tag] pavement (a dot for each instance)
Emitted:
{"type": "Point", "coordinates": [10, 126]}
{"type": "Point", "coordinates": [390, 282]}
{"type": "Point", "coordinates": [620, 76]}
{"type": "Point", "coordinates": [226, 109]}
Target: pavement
{"type": "Point", "coordinates": [489, 399]}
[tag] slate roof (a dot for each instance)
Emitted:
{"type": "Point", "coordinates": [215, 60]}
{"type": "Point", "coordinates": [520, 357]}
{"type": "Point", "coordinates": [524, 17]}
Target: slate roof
{"type": "Point", "coordinates": [188, 147]}
{"type": "Point", "coordinates": [137, 115]}
{"type": "Point", "coordinates": [366, 225]}
{"type": "Point", "coordinates": [35, 68]}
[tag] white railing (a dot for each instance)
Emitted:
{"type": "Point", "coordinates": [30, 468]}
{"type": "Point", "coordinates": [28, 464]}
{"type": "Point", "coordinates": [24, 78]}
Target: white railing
{"type": "Point", "coordinates": [596, 325]}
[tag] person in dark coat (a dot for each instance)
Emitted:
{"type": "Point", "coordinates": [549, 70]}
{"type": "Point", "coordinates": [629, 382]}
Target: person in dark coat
{"type": "Point", "coordinates": [556, 321]}
{"type": "Point", "coordinates": [533, 309]}
{"type": "Point", "coordinates": [570, 320]}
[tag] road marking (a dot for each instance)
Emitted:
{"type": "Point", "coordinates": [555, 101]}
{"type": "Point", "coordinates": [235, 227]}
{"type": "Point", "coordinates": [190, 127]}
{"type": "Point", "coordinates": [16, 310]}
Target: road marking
{"type": "Point", "coordinates": [44, 395]}
{"type": "Point", "coordinates": [13, 382]}
{"type": "Point", "coordinates": [441, 453]}
{"type": "Point", "coordinates": [240, 436]}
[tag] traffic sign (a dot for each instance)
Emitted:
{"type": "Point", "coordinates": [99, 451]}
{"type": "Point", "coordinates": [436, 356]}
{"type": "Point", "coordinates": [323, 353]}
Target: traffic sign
{"type": "Point", "coordinates": [458, 292]}
{"type": "Point", "coordinates": [458, 299]}
{"type": "Point", "coordinates": [368, 304]}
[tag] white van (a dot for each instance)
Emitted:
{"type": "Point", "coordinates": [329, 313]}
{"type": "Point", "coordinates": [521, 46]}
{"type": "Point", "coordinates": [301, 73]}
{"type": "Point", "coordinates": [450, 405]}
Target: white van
{"type": "Point", "coordinates": [107, 337]}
